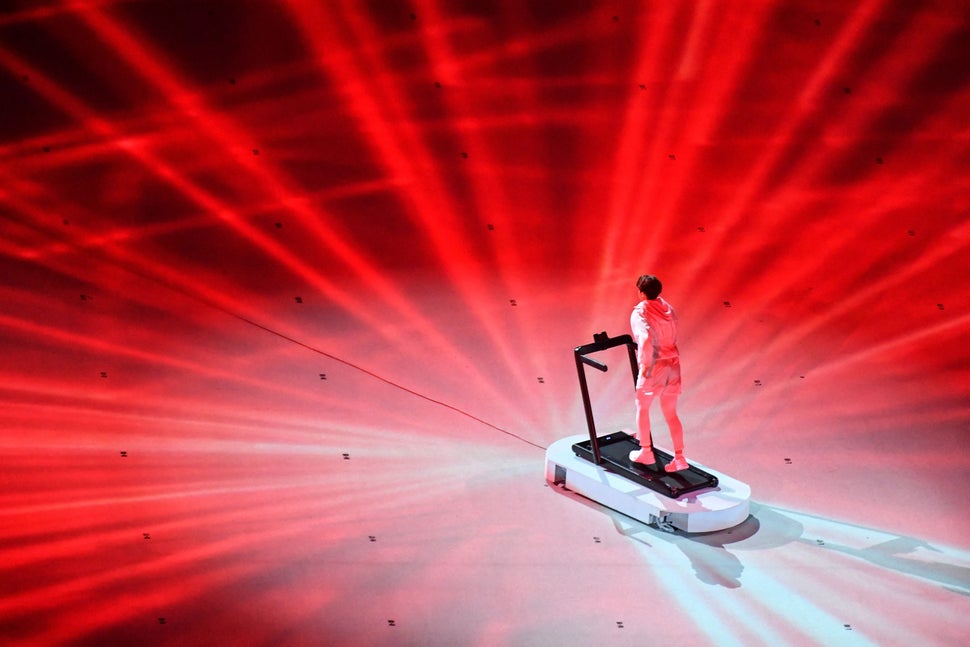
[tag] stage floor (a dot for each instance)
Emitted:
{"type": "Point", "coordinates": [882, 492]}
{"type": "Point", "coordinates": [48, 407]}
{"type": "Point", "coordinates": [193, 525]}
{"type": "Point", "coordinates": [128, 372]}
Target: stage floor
{"type": "Point", "coordinates": [270, 544]}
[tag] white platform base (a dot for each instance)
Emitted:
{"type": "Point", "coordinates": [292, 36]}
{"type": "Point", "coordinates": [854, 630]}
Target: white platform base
{"type": "Point", "coordinates": [701, 511]}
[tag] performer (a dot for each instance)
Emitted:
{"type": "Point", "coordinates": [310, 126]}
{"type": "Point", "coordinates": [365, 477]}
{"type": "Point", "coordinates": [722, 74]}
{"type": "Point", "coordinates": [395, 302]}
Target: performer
{"type": "Point", "coordinates": [654, 325]}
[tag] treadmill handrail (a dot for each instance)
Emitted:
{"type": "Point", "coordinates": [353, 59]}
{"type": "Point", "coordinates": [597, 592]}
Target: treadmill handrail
{"type": "Point", "coordinates": [601, 341]}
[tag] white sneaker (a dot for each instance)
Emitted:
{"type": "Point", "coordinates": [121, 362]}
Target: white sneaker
{"type": "Point", "coordinates": [678, 464]}
{"type": "Point", "coordinates": [644, 456]}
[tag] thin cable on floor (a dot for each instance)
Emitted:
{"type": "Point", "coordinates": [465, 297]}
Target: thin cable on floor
{"type": "Point", "coordinates": [197, 298]}
{"type": "Point", "coordinates": [375, 375]}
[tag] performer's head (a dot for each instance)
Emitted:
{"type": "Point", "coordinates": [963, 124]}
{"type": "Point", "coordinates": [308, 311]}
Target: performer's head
{"type": "Point", "coordinates": [649, 286]}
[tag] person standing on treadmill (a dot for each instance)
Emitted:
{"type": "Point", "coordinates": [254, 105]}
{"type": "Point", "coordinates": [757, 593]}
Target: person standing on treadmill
{"type": "Point", "coordinates": [654, 325]}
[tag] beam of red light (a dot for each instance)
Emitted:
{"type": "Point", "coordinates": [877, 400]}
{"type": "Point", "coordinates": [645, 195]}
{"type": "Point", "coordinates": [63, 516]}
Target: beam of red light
{"type": "Point", "coordinates": [211, 205]}
{"type": "Point", "coordinates": [399, 145]}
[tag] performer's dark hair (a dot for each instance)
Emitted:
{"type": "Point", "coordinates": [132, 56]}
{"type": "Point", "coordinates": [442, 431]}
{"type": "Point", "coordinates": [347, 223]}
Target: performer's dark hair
{"type": "Point", "coordinates": [649, 285]}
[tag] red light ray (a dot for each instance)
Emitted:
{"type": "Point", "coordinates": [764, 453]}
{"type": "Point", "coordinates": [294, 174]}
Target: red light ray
{"type": "Point", "coordinates": [488, 197]}
{"type": "Point", "coordinates": [652, 168]}
{"type": "Point", "coordinates": [85, 343]}
{"type": "Point", "coordinates": [172, 576]}
{"type": "Point", "coordinates": [229, 216]}
{"type": "Point", "coordinates": [869, 293]}
{"type": "Point", "coordinates": [297, 507]}
{"type": "Point", "coordinates": [746, 193]}
{"type": "Point", "coordinates": [179, 384]}
{"type": "Point", "coordinates": [400, 147]}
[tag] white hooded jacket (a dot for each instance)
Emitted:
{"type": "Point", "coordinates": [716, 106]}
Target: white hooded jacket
{"type": "Point", "coordinates": [654, 325]}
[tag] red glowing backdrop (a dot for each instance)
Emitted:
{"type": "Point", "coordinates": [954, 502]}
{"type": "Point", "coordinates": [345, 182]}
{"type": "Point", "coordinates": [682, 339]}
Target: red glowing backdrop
{"type": "Point", "coordinates": [290, 291]}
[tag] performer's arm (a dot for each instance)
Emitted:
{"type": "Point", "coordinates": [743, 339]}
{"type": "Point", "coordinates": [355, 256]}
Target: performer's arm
{"type": "Point", "coordinates": [641, 333]}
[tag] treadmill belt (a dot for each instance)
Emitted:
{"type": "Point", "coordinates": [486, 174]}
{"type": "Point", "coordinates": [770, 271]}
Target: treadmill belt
{"type": "Point", "coordinates": [615, 449]}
